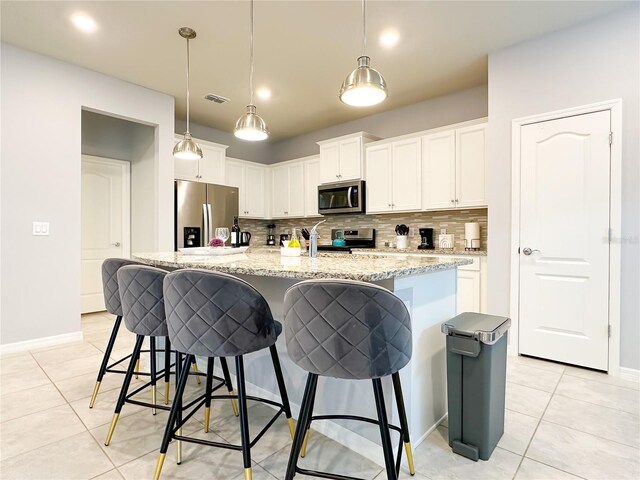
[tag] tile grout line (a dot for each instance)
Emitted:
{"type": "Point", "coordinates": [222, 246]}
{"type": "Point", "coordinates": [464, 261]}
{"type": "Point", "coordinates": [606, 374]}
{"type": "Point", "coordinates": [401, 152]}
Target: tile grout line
{"type": "Point", "coordinates": [615, 409]}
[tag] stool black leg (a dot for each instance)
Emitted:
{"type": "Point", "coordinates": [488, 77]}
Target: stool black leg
{"type": "Point", "coordinates": [303, 420]}
{"type": "Point", "coordinates": [125, 387]}
{"type": "Point", "coordinates": [244, 419]}
{"type": "Point", "coordinates": [181, 383]}
{"type": "Point", "coordinates": [105, 359]}
{"type": "Point", "coordinates": [167, 369]}
{"type": "Point", "coordinates": [282, 388]}
{"type": "Point", "coordinates": [207, 393]}
{"type": "Point", "coordinates": [384, 430]}
{"type": "Point", "coordinates": [153, 367]}
{"type": "Point", "coordinates": [184, 370]}
{"type": "Point", "coordinates": [397, 387]}
{"type": "Point", "coordinates": [227, 381]}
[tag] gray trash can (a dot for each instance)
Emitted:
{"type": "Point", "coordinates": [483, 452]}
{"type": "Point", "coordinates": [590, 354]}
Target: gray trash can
{"type": "Point", "coordinates": [476, 377]}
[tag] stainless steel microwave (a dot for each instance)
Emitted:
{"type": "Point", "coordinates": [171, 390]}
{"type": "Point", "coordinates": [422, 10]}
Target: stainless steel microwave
{"type": "Point", "coordinates": [343, 197]}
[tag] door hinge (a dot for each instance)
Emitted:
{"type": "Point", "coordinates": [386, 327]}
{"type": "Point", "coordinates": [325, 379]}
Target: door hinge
{"type": "Point", "coordinates": [610, 138]}
{"type": "Point", "coordinates": [609, 330]}
{"type": "Point", "coordinates": [610, 235]}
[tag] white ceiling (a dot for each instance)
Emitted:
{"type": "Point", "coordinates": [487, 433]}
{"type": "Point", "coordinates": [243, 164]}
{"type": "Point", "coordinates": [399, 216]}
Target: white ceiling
{"type": "Point", "coordinates": [303, 49]}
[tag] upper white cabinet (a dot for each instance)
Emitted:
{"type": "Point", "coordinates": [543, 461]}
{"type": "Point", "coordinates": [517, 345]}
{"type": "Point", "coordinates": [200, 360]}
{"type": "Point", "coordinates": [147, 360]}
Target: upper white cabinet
{"type": "Point", "coordinates": [288, 183]}
{"type": "Point", "coordinates": [342, 158]}
{"type": "Point", "coordinates": [393, 174]}
{"type": "Point", "coordinates": [209, 169]}
{"type": "Point", "coordinates": [454, 168]}
{"type": "Point", "coordinates": [311, 182]}
{"type": "Point", "coordinates": [250, 178]}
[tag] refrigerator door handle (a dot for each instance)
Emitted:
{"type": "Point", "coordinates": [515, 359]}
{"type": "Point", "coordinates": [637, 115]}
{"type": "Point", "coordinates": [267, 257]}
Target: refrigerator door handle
{"type": "Point", "coordinates": [210, 222]}
{"type": "Point", "coordinates": [205, 233]}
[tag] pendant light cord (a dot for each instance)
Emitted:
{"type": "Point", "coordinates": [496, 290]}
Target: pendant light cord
{"type": "Point", "coordinates": [364, 30]}
{"type": "Point", "coordinates": [251, 58]}
{"type": "Point", "coordinates": [188, 85]}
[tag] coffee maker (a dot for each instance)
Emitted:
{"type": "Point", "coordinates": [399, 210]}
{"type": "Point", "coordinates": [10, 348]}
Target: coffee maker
{"type": "Point", "coordinates": [271, 235]}
{"type": "Point", "coordinates": [426, 239]}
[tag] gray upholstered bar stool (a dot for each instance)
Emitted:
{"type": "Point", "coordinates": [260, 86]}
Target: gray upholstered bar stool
{"type": "Point", "coordinates": [212, 314]}
{"type": "Point", "coordinates": [354, 331]}
{"type": "Point", "coordinates": [143, 311]}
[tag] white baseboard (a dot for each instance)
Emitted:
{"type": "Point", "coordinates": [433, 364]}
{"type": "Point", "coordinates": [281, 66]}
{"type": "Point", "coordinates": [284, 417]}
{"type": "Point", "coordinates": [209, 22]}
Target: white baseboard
{"type": "Point", "coordinates": [629, 374]}
{"type": "Point", "coordinates": [43, 342]}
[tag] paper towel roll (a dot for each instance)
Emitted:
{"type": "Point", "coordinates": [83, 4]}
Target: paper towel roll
{"type": "Point", "coordinates": [472, 231]}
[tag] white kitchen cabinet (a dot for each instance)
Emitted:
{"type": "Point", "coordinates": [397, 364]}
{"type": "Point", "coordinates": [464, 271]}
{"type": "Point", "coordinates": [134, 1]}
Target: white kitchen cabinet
{"type": "Point", "coordinates": [311, 182]}
{"type": "Point", "coordinates": [394, 176]}
{"type": "Point", "coordinates": [209, 169]}
{"type": "Point", "coordinates": [250, 178]}
{"type": "Point", "coordinates": [454, 168]}
{"type": "Point", "coordinates": [288, 190]}
{"type": "Point", "coordinates": [468, 296]}
{"type": "Point", "coordinates": [341, 158]}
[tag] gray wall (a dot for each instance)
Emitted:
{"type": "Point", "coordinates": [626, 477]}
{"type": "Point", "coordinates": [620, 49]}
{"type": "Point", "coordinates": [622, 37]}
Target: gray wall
{"type": "Point", "coordinates": [457, 107]}
{"type": "Point", "coordinates": [589, 63]}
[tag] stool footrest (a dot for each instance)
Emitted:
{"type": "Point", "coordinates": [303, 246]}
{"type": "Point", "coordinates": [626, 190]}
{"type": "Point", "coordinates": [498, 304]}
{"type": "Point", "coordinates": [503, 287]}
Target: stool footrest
{"type": "Point", "coordinates": [335, 476]}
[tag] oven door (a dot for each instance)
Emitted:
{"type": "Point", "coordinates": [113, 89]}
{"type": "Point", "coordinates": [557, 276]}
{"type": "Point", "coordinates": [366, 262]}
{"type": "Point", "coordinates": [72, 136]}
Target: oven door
{"type": "Point", "coordinates": [341, 198]}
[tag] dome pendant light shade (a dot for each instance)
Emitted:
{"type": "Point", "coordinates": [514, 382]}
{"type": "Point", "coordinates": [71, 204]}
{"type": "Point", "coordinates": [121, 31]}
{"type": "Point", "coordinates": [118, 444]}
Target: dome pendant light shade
{"type": "Point", "coordinates": [364, 86]}
{"type": "Point", "coordinates": [187, 149]}
{"type": "Point", "coordinates": [251, 127]}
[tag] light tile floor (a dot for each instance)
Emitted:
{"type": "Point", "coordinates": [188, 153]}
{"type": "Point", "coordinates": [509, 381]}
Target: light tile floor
{"type": "Point", "coordinates": [561, 423]}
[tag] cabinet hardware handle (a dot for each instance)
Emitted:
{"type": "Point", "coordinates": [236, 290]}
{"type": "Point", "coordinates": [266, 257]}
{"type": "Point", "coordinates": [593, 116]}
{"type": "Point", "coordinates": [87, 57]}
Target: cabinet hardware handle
{"type": "Point", "coordinates": [117, 244]}
{"type": "Point", "coordinates": [456, 200]}
{"type": "Point", "coordinates": [453, 201]}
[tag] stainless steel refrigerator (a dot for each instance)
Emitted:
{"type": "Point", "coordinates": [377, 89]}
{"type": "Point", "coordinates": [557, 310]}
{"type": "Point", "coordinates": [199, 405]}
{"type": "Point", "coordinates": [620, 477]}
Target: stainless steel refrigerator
{"type": "Point", "coordinates": [199, 209]}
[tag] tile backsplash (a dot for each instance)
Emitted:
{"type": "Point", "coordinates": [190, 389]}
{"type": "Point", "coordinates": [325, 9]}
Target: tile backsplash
{"type": "Point", "coordinates": [451, 220]}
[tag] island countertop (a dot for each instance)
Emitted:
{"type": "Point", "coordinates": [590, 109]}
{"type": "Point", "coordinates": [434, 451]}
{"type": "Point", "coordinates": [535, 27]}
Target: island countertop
{"type": "Point", "coordinates": [370, 268]}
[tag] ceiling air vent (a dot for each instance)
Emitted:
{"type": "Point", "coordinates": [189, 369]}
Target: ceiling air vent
{"type": "Point", "coordinates": [215, 98]}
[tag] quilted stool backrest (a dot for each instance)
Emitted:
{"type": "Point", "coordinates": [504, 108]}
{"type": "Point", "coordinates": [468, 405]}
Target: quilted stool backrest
{"type": "Point", "coordinates": [142, 301]}
{"type": "Point", "coordinates": [346, 329]}
{"type": "Point", "coordinates": [110, 269]}
{"type": "Point", "coordinates": [216, 315]}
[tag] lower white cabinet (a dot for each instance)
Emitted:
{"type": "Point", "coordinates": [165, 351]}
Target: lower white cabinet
{"type": "Point", "coordinates": [468, 296]}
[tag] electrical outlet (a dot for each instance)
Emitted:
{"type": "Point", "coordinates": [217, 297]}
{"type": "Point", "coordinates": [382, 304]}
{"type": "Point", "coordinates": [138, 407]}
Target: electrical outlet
{"type": "Point", "coordinates": [443, 231]}
{"type": "Point", "coordinates": [41, 228]}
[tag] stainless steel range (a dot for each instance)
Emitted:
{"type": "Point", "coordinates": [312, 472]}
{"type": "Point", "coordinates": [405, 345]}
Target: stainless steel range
{"type": "Point", "coordinates": [351, 238]}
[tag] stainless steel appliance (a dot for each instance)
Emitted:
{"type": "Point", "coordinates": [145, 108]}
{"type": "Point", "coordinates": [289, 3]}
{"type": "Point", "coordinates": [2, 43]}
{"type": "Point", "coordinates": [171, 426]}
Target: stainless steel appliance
{"type": "Point", "coordinates": [353, 238]}
{"type": "Point", "coordinates": [245, 238]}
{"type": "Point", "coordinates": [271, 236]}
{"type": "Point", "coordinates": [343, 197]}
{"type": "Point", "coordinates": [426, 239]}
{"type": "Point", "coordinates": [199, 208]}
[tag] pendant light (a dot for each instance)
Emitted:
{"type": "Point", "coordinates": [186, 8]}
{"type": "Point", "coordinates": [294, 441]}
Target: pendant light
{"type": "Point", "coordinates": [364, 86]}
{"type": "Point", "coordinates": [250, 126]}
{"type": "Point", "coordinates": [187, 149]}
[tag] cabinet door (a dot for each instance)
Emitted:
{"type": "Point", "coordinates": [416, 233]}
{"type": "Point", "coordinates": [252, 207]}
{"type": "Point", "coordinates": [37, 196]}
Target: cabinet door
{"type": "Point", "coordinates": [438, 170]}
{"type": "Point", "coordinates": [185, 169]}
{"type": "Point", "coordinates": [280, 190]}
{"type": "Point", "coordinates": [470, 166]}
{"type": "Point", "coordinates": [296, 190]}
{"type": "Point", "coordinates": [254, 181]}
{"type": "Point", "coordinates": [350, 153]}
{"type": "Point", "coordinates": [212, 165]}
{"type": "Point", "coordinates": [329, 166]}
{"type": "Point", "coordinates": [311, 182]}
{"type": "Point", "coordinates": [378, 160]}
{"type": "Point", "coordinates": [406, 175]}
{"type": "Point", "coordinates": [468, 295]}
{"type": "Point", "coordinates": [234, 177]}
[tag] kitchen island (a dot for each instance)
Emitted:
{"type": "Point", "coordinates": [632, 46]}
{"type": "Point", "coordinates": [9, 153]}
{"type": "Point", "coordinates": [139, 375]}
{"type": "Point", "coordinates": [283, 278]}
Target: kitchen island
{"type": "Point", "coordinates": [427, 286]}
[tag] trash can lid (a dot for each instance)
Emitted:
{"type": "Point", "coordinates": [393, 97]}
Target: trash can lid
{"type": "Point", "coordinates": [485, 328]}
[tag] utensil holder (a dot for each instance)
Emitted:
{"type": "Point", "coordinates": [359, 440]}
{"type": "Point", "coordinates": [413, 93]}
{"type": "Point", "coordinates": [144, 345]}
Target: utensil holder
{"type": "Point", "coordinates": [402, 241]}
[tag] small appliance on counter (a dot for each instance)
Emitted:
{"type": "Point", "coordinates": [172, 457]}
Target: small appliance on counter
{"type": "Point", "coordinates": [426, 239]}
{"type": "Point", "coordinates": [472, 236]}
{"type": "Point", "coordinates": [245, 238]}
{"type": "Point", "coordinates": [352, 238]}
{"type": "Point", "coordinates": [271, 234]}
{"type": "Point", "coordinates": [284, 237]}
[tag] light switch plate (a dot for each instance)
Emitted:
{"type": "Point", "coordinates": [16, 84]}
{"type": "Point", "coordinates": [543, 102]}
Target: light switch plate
{"type": "Point", "coordinates": [41, 228]}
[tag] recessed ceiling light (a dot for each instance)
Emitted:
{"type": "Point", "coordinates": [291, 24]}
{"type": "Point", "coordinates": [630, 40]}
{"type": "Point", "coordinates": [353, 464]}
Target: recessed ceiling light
{"type": "Point", "coordinates": [264, 93]}
{"type": "Point", "coordinates": [84, 22]}
{"type": "Point", "coordinates": [389, 38]}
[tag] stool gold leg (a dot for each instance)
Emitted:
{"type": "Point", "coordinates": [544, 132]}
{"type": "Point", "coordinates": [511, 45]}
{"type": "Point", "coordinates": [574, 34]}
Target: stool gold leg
{"type": "Point", "coordinates": [292, 428]}
{"type": "Point", "coordinates": [112, 428]}
{"type": "Point", "coordinates": [179, 448]}
{"type": "Point", "coordinates": [248, 474]}
{"type": "Point", "coordinates": [195, 370]}
{"type": "Point", "coordinates": [95, 394]}
{"type": "Point", "coordinates": [234, 404]}
{"type": "Point", "coordinates": [407, 448]}
{"type": "Point", "coordinates": [159, 463]}
{"type": "Point", "coordinates": [303, 450]}
{"type": "Point", "coordinates": [137, 368]}
{"type": "Point", "coordinates": [207, 417]}
{"type": "Point", "coordinates": [166, 393]}
{"type": "Point", "coordinates": [153, 399]}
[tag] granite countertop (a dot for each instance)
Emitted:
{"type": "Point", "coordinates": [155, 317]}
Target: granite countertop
{"type": "Point", "coordinates": [269, 263]}
{"type": "Point", "coordinates": [414, 250]}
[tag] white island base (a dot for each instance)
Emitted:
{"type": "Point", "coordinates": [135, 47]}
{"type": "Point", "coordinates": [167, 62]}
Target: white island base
{"type": "Point", "coordinates": [431, 300]}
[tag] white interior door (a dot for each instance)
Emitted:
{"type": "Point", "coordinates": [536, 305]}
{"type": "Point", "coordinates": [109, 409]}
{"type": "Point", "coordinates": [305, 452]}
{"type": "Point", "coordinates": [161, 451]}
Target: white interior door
{"type": "Point", "coordinates": [105, 223]}
{"type": "Point", "coordinates": [564, 243]}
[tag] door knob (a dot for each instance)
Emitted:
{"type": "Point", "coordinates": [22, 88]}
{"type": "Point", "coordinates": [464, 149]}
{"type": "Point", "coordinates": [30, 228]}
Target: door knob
{"type": "Point", "coordinates": [528, 251]}
{"type": "Point", "coordinates": [117, 244]}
